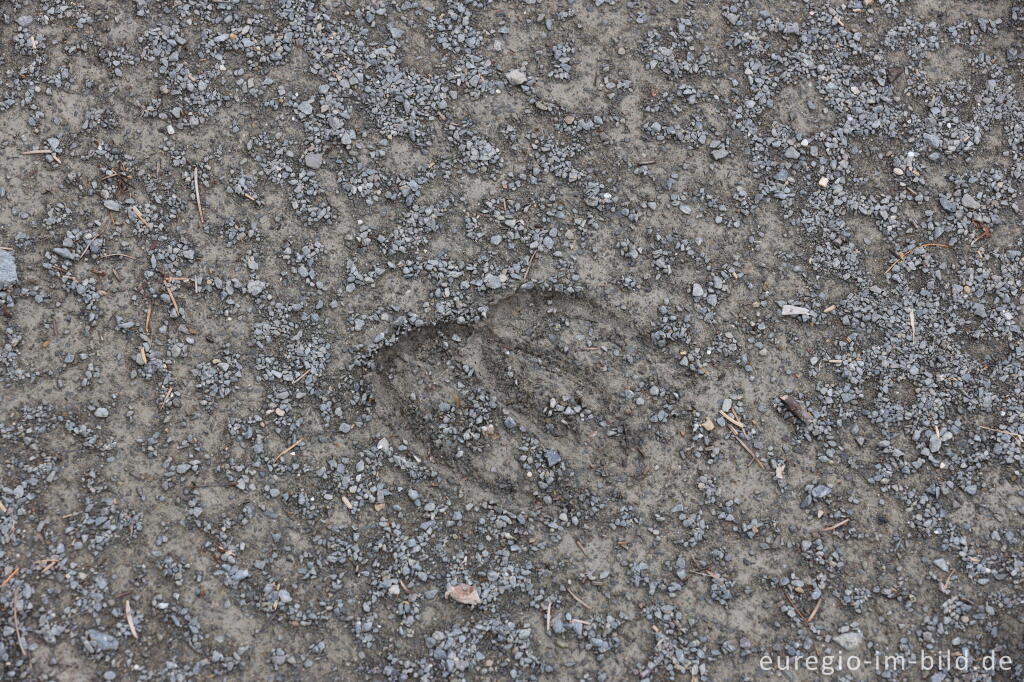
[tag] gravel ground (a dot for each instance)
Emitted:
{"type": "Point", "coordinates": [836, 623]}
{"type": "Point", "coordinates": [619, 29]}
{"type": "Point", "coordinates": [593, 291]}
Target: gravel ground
{"type": "Point", "coordinates": [593, 340]}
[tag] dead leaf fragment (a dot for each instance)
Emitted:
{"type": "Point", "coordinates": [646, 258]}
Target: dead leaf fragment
{"type": "Point", "coordinates": [464, 594]}
{"type": "Point", "coordinates": [797, 408]}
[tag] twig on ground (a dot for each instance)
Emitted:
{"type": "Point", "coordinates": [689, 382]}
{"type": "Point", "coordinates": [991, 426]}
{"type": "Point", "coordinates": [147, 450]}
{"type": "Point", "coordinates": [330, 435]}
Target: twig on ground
{"type": "Point", "coordinates": [582, 603]}
{"type": "Point", "coordinates": [814, 611]}
{"type": "Point", "coordinates": [746, 447]}
{"type": "Point", "coordinates": [87, 247]}
{"type": "Point", "coordinates": [904, 255]}
{"type": "Point", "coordinates": [43, 151]}
{"type": "Point", "coordinates": [199, 202]}
{"type": "Point", "coordinates": [834, 526]}
{"type": "Point", "coordinates": [128, 617]}
{"type": "Point", "coordinates": [736, 422]}
{"type": "Point", "coordinates": [793, 604]}
{"type": "Point", "coordinates": [288, 449]}
{"type": "Point", "coordinates": [10, 576]}
{"type": "Point", "coordinates": [17, 630]}
{"type": "Point", "coordinates": [138, 214]}
{"type": "Point", "coordinates": [1018, 436]}
{"type": "Point", "coordinates": [529, 265]}
{"type": "Point", "coordinates": [173, 301]}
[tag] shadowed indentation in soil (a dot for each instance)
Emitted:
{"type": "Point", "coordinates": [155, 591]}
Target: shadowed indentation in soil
{"type": "Point", "coordinates": [543, 372]}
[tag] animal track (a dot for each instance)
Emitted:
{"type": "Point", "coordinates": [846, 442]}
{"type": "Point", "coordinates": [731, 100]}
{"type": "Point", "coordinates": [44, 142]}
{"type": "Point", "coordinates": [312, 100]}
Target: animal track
{"type": "Point", "coordinates": [544, 372]}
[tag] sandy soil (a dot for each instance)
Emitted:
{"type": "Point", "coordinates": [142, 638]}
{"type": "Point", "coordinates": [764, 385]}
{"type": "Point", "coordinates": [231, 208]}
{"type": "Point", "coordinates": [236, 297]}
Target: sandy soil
{"type": "Point", "coordinates": [594, 340]}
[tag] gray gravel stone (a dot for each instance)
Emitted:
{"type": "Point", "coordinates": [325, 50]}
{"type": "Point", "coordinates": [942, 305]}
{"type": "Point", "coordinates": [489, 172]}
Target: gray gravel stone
{"type": "Point", "coordinates": [98, 641]}
{"type": "Point", "coordinates": [821, 490]}
{"type": "Point", "coordinates": [849, 640]}
{"type": "Point", "coordinates": [8, 269]}
{"type": "Point", "coordinates": [516, 76]}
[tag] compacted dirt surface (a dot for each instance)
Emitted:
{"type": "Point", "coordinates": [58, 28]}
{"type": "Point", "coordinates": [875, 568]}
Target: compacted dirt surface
{"type": "Point", "coordinates": [593, 340]}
